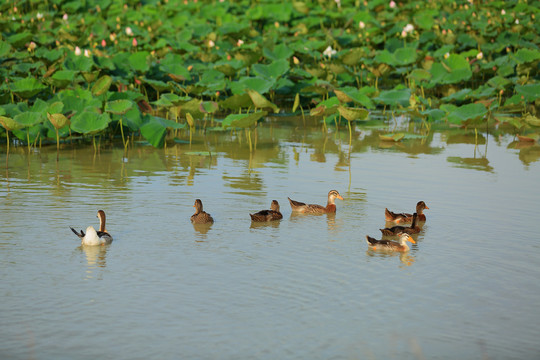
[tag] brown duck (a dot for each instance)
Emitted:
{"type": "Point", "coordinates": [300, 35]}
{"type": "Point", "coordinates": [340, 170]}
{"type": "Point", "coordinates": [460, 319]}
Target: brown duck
{"type": "Point", "coordinates": [301, 207]}
{"type": "Point", "coordinates": [404, 217]}
{"type": "Point", "coordinates": [388, 245]}
{"type": "Point", "coordinates": [268, 215]}
{"type": "Point", "coordinates": [413, 229]}
{"type": "Point", "coordinates": [200, 216]}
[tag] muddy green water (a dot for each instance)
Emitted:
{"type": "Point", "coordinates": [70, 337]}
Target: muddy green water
{"type": "Point", "coordinates": [303, 288]}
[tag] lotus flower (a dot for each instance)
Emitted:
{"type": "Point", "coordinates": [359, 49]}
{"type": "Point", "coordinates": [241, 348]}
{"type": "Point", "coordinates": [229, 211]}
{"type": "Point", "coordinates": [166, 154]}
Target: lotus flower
{"type": "Point", "coordinates": [329, 52]}
{"type": "Point", "coordinates": [78, 51]}
{"type": "Point", "coordinates": [392, 4]}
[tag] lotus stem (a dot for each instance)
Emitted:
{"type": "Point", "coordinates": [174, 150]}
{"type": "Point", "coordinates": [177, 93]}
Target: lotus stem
{"type": "Point", "coordinates": [303, 116]}
{"type": "Point", "coordinates": [350, 135]}
{"type": "Point", "coordinates": [122, 131]}
{"type": "Point", "coordinates": [249, 140]}
{"type": "Point", "coordinates": [57, 140]}
{"type": "Point", "coordinates": [7, 148]}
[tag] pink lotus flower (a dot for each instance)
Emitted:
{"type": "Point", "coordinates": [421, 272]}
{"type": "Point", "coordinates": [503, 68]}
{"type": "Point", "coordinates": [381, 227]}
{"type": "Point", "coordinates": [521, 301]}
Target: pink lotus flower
{"type": "Point", "coordinates": [103, 43]}
{"type": "Point", "coordinates": [78, 51]}
{"type": "Point", "coordinates": [134, 42]}
{"type": "Point", "coordinates": [392, 4]}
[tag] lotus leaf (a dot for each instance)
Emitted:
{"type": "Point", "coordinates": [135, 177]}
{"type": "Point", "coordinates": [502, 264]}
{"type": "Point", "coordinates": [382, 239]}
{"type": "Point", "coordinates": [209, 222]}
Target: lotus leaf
{"type": "Point", "coordinates": [530, 92]}
{"type": "Point", "coordinates": [395, 97]}
{"type": "Point", "coordinates": [352, 114]}
{"type": "Point", "coordinates": [87, 122]}
{"type": "Point", "coordinates": [274, 70]}
{"type": "Point", "coordinates": [138, 61]}
{"type": "Point", "coordinates": [58, 120]}
{"type": "Point", "coordinates": [27, 87]}
{"type": "Point", "coordinates": [118, 107]}
{"type": "Point", "coordinates": [102, 85]}
{"type": "Point", "coordinates": [9, 124]}
{"type": "Point", "coordinates": [28, 118]}
{"type": "Point", "coordinates": [242, 120]}
{"type": "Point", "coordinates": [469, 112]}
{"type": "Point", "coordinates": [260, 101]}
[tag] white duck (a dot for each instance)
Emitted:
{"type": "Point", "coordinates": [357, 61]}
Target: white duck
{"type": "Point", "coordinates": [93, 237]}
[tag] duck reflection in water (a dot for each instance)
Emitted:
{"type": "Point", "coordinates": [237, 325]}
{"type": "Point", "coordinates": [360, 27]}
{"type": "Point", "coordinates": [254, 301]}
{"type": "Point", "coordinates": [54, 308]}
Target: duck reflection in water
{"type": "Point", "coordinates": [96, 257]}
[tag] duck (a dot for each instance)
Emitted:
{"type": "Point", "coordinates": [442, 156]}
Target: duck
{"type": "Point", "coordinates": [413, 229]}
{"type": "Point", "coordinates": [200, 216]}
{"type": "Point", "coordinates": [388, 245]}
{"type": "Point", "coordinates": [93, 237]}
{"type": "Point", "coordinates": [301, 207]}
{"type": "Point", "coordinates": [268, 215]}
{"type": "Point", "coordinates": [404, 217]}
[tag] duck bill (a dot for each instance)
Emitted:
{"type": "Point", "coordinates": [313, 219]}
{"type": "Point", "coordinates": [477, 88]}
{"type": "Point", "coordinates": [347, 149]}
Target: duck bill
{"type": "Point", "coordinates": [340, 197]}
{"type": "Point", "coordinates": [411, 240]}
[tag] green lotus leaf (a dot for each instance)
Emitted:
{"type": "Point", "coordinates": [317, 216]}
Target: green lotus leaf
{"type": "Point", "coordinates": [404, 56]}
{"type": "Point", "coordinates": [87, 122]}
{"type": "Point", "coordinates": [138, 61]}
{"type": "Point", "coordinates": [28, 118]}
{"type": "Point", "coordinates": [20, 39]}
{"type": "Point", "coordinates": [236, 102]}
{"type": "Point", "coordinates": [352, 114]}
{"type": "Point", "coordinates": [349, 94]}
{"type": "Point", "coordinates": [420, 75]}
{"type": "Point", "coordinates": [260, 101]}
{"type": "Point", "coordinates": [273, 70]}
{"type": "Point", "coordinates": [177, 72]}
{"type": "Point", "coordinates": [9, 124]}
{"type": "Point", "coordinates": [393, 137]}
{"type": "Point", "coordinates": [5, 49]}
{"type": "Point", "coordinates": [55, 107]}
{"type": "Point", "coordinates": [209, 107]}
{"type": "Point", "coordinates": [527, 55]}
{"type": "Point", "coordinates": [58, 120]}
{"type": "Point", "coordinates": [530, 92]}
{"type": "Point", "coordinates": [63, 78]}
{"type": "Point", "coordinates": [469, 112]}
{"type": "Point", "coordinates": [27, 87]}
{"type": "Point", "coordinates": [395, 97]}
{"type": "Point", "coordinates": [242, 120]}
{"type": "Point", "coordinates": [155, 129]}
{"type": "Point", "coordinates": [296, 102]}
{"type": "Point", "coordinates": [262, 86]}
{"type": "Point", "coordinates": [118, 107]}
{"type": "Point", "coordinates": [279, 52]}
{"type": "Point", "coordinates": [102, 85]}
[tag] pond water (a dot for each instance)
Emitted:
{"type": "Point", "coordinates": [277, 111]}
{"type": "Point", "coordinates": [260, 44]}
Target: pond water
{"type": "Point", "coordinates": [306, 287]}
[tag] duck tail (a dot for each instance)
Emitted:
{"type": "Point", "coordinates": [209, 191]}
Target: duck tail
{"type": "Point", "coordinates": [388, 215]}
{"type": "Point", "coordinates": [370, 240]}
{"type": "Point", "coordinates": [81, 234]}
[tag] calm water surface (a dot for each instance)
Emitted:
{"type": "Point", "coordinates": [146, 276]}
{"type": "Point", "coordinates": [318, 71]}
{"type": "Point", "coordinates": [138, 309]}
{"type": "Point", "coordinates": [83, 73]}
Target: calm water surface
{"type": "Point", "coordinates": [303, 288]}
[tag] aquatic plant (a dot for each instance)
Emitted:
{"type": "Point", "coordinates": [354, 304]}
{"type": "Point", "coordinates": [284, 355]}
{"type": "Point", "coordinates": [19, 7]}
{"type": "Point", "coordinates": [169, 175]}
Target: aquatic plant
{"type": "Point", "coordinates": [118, 68]}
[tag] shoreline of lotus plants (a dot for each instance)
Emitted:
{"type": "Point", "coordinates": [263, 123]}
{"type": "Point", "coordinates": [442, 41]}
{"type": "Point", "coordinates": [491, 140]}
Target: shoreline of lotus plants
{"type": "Point", "coordinates": [106, 67]}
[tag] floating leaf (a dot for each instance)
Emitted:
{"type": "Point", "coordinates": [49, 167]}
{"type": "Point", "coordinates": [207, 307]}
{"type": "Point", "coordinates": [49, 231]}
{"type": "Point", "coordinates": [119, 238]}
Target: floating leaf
{"type": "Point", "coordinates": [394, 137]}
{"type": "Point", "coordinates": [531, 120]}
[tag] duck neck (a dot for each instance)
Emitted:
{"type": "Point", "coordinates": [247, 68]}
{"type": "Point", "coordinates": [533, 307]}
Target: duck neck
{"type": "Point", "coordinates": [102, 223]}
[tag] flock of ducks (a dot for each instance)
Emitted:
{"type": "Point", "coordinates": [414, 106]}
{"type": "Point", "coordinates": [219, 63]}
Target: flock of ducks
{"type": "Point", "coordinates": [102, 237]}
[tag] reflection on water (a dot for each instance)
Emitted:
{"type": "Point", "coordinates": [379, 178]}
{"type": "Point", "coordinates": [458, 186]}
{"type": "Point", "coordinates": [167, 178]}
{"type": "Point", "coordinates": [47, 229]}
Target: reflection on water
{"type": "Point", "coordinates": [202, 229]}
{"type": "Point", "coordinates": [95, 259]}
{"type": "Point", "coordinates": [406, 258]}
{"type": "Point", "coordinates": [302, 287]}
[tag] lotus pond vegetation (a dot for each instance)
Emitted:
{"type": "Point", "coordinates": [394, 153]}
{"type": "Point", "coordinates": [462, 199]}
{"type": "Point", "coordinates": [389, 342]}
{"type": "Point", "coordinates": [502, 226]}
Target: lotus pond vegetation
{"type": "Point", "coordinates": [155, 71]}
